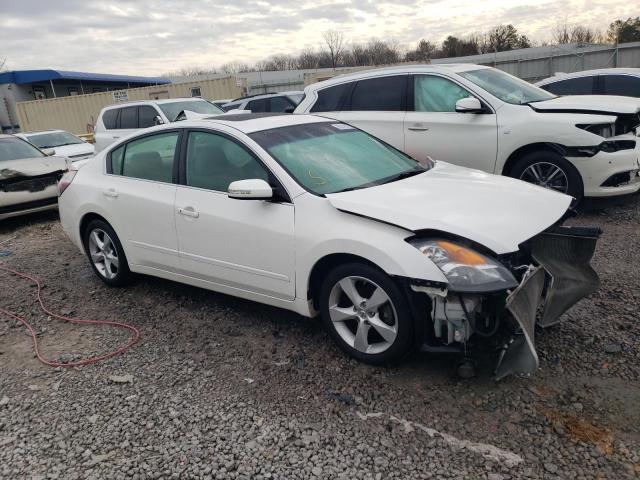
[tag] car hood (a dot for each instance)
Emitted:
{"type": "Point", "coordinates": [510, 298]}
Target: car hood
{"type": "Point", "coordinates": [31, 167]}
{"type": "Point", "coordinates": [495, 211]}
{"type": "Point", "coordinates": [75, 151]}
{"type": "Point", "coordinates": [589, 104]}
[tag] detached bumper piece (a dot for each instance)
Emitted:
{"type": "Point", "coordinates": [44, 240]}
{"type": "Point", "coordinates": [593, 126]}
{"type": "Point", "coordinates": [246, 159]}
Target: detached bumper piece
{"type": "Point", "coordinates": [563, 277]}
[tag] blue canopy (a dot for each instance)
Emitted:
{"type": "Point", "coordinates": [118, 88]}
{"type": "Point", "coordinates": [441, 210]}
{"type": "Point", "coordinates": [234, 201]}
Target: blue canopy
{"type": "Point", "coordinates": [36, 76]}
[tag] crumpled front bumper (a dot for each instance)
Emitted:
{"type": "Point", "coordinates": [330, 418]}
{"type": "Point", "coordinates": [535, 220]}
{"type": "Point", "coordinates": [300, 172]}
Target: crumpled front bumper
{"type": "Point", "coordinates": [563, 277]}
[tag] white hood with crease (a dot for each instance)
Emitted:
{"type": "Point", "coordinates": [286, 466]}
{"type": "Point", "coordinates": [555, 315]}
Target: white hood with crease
{"type": "Point", "coordinates": [495, 211]}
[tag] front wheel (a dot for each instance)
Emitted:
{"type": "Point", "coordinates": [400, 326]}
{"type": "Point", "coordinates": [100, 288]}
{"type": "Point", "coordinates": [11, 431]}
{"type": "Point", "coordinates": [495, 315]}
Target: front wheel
{"type": "Point", "coordinates": [549, 170]}
{"type": "Point", "coordinates": [366, 313]}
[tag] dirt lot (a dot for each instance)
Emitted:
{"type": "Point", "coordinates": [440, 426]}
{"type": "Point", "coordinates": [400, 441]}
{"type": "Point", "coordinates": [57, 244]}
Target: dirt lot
{"type": "Point", "coordinates": [225, 388]}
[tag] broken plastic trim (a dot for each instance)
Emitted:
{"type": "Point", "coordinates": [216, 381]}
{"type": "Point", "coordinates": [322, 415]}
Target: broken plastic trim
{"type": "Point", "coordinates": [563, 255]}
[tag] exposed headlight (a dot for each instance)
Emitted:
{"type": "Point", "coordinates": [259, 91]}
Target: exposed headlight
{"type": "Point", "coordinates": [465, 269]}
{"type": "Point", "coordinates": [605, 130]}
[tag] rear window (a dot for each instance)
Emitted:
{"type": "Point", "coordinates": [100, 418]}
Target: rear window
{"type": "Point", "coordinates": [330, 99]}
{"type": "Point", "coordinates": [109, 118]}
{"type": "Point", "coordinates": [129, 117]}
{"type": "Point", "coordinates": [572, 86]}
{"type": "Point", "coordinates": [626, 85]}
{"type": "Point", "coordinates": [384, 94]}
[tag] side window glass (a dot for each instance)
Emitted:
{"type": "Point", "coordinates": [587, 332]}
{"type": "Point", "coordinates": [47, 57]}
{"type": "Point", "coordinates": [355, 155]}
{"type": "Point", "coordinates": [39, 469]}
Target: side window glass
{"type": "Point", "coordinates": [384, 94]}
{"type": "Point", "coordinates": [109, 118]}
{"type": "Point", "coordinates": [258, 106]}
{"type": "Point", "coordinates": [214, 161]}
{"type": "Point", "coordinates": [330, 99]}
{"type": "Point", "coordinates": [280, 104]}
{"type": "Point", "coordinates": [146, 116]}
{"type": "Point", "coordinates": [116, 160]}
{"type": "Point", "coordinates": [129, 117]}
{"type": "Point", "coordinates": [572, 86]}
{"type": "Point", "coordinates": [622, 85]}
{"type": "Point", "coordinates": [150, 158]}
{"type": "Point", "coordinates": [436, 94]}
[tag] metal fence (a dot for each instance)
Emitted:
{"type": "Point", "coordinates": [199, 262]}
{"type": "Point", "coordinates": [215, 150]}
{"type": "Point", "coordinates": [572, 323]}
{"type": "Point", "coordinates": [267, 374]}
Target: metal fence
{"type": "Point", "coordinates": [79, 113]}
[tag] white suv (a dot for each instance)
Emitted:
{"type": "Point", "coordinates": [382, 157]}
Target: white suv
{"type": "Point", "coordinates": [483, 118]}
{"type": "Point", "coordinates": [116, 121]}
{"type": "Point", "coordinates": [269, 102]}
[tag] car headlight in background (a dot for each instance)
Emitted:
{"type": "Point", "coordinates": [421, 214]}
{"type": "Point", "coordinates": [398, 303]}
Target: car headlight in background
{"type": "Point", "coordinates": [605, 130]}
{"type": "Point", "coordinates": [465, 269]}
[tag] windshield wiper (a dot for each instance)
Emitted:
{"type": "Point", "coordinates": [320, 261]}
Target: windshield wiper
{"type": "Point", "coordinates": [403, 175]}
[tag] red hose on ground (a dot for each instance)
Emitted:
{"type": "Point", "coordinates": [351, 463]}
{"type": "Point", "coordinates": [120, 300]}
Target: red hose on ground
{"type": "Point", "coordinates": [86, 361]}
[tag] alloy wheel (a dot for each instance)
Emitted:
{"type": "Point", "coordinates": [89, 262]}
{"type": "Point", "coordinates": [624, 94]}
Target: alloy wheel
{"type": "Point", "coordinates": [547, 175]}
{"type": "Point", "coordinates": [103, 253]}
{"type": "Point", "coordinates": [363, 315]}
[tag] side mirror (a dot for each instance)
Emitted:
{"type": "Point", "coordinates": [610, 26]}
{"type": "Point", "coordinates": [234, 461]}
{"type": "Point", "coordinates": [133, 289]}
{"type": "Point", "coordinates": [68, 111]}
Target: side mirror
{"type": "Point", "coordinates": [469, 105]}
{"type": "Point", "coordinates": [289, 109]}
{"type": "Point", "coordinates": [48, 151]}
{"type": "Point", "coordinates": [253, 189]}
{"type": "Point", "coordinates": [157, 120]}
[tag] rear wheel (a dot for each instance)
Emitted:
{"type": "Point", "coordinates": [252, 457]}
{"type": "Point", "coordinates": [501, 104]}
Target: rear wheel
{"type": "Point", "coordinates": [106, 254]}
{"type": "Point", "coordinates": [366, 313]}
{"type": "Point", "coordinates": [549, 170]}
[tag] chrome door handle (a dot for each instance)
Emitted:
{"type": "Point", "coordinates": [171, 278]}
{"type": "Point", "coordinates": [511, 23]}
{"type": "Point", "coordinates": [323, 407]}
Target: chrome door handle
{"type": "Point", "coordinates": [188, 212]}
{"type": "Point", "coordinates": [418, 128]}
{"type": "Point", "coordinates": [110, 193]}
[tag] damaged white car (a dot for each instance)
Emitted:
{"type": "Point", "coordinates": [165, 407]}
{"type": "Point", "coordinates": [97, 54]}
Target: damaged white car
{"type": "Point", "coordinates": [316, 216]}
{"type": "Point", "coordinates": [28, 178]}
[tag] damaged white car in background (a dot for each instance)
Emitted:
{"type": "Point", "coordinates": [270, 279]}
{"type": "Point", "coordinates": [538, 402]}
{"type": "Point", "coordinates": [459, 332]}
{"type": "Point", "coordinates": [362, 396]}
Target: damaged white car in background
{"type": "Point", "coordinates": [28, 178]}
{"type": "Point", "coordinates": [316, 216]}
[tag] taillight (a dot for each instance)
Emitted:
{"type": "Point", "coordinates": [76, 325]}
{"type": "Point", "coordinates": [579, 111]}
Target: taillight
{"type": "Point", "coordinates": [66, 180]}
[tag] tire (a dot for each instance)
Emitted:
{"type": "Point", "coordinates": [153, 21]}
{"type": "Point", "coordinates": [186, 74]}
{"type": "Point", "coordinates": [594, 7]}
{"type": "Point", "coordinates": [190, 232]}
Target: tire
{"type": "Point", "coordinates": [106, 254]}
{"type": "Point", "coordinates": [377, 335]}
{"type": "Point", "coordinates": [549, 164]}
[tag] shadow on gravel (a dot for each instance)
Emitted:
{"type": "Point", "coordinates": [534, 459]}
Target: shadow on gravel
{"type": "Point", "coordinates": [593, 205]}
{"type": "Point", "coordinates": [13, 224]}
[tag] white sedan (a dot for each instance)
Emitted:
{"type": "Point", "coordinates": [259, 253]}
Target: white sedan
{"type": "Point", "coordinates": [60, 143]}
{"type": "Point", "coordinates": [316, 216]}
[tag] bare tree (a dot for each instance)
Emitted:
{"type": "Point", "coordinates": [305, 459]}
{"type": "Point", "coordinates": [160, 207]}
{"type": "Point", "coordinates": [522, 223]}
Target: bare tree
{"type": "Point", "coordinates": [234, 67]}
{"type": "Point", "coordinates": [564, 33]}
{"type": "Point", "coordinates": [3, 65]}
{"type": "Point", "coordinates": [334, 40]}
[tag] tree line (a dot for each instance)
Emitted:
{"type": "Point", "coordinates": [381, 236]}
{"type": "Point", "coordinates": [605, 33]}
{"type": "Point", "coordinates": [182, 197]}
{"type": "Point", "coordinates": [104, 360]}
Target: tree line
{"type": "Point", "coordinates": [334, 50]}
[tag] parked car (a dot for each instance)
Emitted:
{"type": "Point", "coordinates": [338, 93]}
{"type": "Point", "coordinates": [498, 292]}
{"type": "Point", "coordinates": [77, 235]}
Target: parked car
{"type": "Point", "coordinates": [483, 118]}
{"type": "Point", "coordinates": [221, 103]}
{"type": "Point", "coordinates": [117, 121]}
{"type": "Point", "coordinates": [606, 81]}
{"type": "Point", "coordinates": [63, 144]}
{"type": "Point", "coordinates": [269, 102]}
{"type": "Point", "coordinates": [316, 216]}
{"type": "Point", "coordinates": [28, 178]}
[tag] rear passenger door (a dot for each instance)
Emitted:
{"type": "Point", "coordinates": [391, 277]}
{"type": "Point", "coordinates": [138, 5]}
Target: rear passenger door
{"type": "Point", "coordinates": [378, 106]}
{"type": "Point", "coordinates": [139, 193]}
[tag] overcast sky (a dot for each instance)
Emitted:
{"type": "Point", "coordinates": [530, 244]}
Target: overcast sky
{"type": "Point", "coordinates": [151, 37]}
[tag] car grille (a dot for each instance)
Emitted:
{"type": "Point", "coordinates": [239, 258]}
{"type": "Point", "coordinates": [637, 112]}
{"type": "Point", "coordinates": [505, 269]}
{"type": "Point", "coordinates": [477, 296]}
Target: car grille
{"type": "Point", "coordinates": [31, 184]}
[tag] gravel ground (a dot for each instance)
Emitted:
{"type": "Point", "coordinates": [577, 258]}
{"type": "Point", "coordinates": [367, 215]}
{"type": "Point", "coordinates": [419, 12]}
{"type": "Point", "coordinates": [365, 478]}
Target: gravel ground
{"type": "Point", "coordinates": [224, 388]}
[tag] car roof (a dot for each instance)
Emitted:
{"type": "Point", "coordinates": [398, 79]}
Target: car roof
{"type": "Point", "coordinates": [255, 122]}
{"type": "Point", "coordinates": [266, 95]}
{"type": "Point", "coordinates": [400, 69]}
{"type": "Point", "coordinates": [42, 132]}
{"type": "Point", "coordinates": [585, 73]}
{"type": "Point", "coordinates": [147, 102]}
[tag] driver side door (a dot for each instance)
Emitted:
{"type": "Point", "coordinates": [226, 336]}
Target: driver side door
{"type": "Point", "coordinates": [244, 245]}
